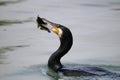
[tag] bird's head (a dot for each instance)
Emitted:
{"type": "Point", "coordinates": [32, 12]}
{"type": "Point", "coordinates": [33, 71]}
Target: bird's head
{"type": "Point", "coordinates": [49, 26]}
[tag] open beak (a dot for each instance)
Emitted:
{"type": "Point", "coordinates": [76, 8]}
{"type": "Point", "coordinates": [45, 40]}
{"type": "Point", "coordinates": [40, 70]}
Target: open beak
{"type": "Point", "coordinates": [46, 25]}
{"type": "Point", "coordinates": [41, 24]}
{"type": "Point", "coordinates": [54, 27]}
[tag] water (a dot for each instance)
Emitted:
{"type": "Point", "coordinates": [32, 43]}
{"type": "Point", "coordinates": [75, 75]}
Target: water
{"type": "Point", "coordinates": [24, 49]}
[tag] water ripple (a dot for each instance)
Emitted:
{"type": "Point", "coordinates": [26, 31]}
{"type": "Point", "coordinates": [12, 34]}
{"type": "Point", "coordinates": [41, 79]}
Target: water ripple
{"type": "Point", "coordinates": [10, 22]}
{"type": "Point", "coordinates": [2, 3]}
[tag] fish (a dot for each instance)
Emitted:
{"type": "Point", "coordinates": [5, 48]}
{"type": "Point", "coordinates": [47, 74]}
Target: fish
{"type": "Point", "coordinates": [41, 24]}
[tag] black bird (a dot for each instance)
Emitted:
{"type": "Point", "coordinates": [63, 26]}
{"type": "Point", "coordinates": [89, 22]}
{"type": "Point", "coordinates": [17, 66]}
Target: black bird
{"type": "Point", "coordinates": [66, 41]}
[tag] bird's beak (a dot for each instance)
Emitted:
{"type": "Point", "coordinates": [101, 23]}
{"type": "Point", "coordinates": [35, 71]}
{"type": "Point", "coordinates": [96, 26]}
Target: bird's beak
{"type": "Point", "coordinates": [53, 26]}
{"type": "Point", "coordinates": [46, 25]}
{"type": "Point", "coordinates": [41, 24]}
{"type": "Point", "coordinates": [49, 26]}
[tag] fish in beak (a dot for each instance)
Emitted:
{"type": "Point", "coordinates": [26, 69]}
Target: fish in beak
{"type": "Point", "coordinates": [41, 24]}
{"type": "Point", "coordinates": [48, 26]}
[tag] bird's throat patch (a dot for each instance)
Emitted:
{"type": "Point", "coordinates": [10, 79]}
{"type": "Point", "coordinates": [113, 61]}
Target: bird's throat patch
{"type": "Point", "coordinates": [58, 31]}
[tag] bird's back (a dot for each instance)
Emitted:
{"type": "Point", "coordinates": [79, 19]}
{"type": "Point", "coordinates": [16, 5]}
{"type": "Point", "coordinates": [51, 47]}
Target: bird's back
{"type": "Point", "coordinates": [86, 71]}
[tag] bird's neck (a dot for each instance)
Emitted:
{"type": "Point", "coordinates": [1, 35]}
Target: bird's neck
{"type": "Point", "coordinates": [65, 45]}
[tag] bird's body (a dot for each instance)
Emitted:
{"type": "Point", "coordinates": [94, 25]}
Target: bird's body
{"type": "Point", "coordinates": [66, 41]}
{"type": "Point", "coordinates": [84, 71]}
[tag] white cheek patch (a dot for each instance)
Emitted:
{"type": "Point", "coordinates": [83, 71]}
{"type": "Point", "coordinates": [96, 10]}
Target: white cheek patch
{"type": "Point", "coordinates": [60, 32]}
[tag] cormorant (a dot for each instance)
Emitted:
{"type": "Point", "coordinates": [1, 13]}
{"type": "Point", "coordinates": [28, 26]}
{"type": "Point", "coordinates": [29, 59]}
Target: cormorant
{"type": "Point", "coordinates": [66, 41]}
